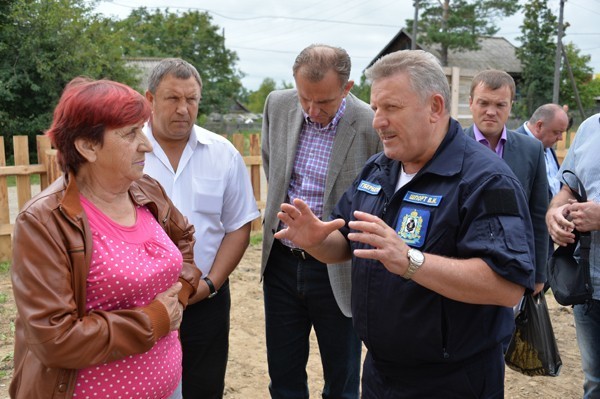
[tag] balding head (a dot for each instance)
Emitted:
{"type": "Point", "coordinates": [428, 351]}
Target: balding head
{"type": "Point", "coordinates": [548, 123]}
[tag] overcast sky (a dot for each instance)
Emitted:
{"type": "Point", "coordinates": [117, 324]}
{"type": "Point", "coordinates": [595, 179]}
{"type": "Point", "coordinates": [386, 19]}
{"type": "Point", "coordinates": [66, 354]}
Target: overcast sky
{"type": "Point", "coordinates": [268, 34]}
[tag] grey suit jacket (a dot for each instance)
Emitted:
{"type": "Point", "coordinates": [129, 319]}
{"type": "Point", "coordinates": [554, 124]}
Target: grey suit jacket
{"type": "Point", "coordinates": [525, 156]}
{"type": "Point", "coordinates": [522, 130]}
{"type": "Point", "coordinates": [354, 143]}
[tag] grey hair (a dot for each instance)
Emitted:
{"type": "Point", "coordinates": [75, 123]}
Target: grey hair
{"type": "Point", "coordinates": [172, 67]}
{"type": "Point", "coordinates": [425, 71]}
{"type": "Point", "coordinates": [545, 113]}
{"type": "Point", "coordinates": [317, 59]}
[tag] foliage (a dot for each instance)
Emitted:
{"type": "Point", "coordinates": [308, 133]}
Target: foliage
{"type": "Point", "coordinates": [191, 36]}
{"type": "Point", "coordinates": [256, 99]}
{"type": "Point", "coordinates": [4, 267]}
{"type": "Point", "coordinates": [256, 238]}
{"type": "Point", "coordinates": [587, 87]}
{"type": "Point", "coordinates": [457, 24]}
{"type": "Point", "coordinates": [362, 90]}
{"type": "Point", "coordinates": [43, 45]}
{"type": "Point", "coordinates": [537, 53]}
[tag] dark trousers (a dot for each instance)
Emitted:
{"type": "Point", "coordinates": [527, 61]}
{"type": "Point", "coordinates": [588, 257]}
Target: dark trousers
{"type": "Point", "coordinates": [479, 378]}
{"type": "Point", "coordinates": [204, 335]}
{"type": "Point", "coordinates": [298, 297]}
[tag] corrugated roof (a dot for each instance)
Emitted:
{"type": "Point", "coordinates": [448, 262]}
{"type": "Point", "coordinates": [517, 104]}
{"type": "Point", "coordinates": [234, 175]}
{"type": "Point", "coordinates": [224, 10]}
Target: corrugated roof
{"type": "Point", "coordinates": [495, 53]}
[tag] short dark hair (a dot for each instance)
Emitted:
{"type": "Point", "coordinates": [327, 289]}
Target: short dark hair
{"type": "Point", "coordinates": [493, 79]}
{"type": "Point", "coordinates": [86, 109]}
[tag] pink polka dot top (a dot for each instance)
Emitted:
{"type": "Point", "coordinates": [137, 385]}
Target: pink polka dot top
{"type": "Point", "coordinates": [130, 266]}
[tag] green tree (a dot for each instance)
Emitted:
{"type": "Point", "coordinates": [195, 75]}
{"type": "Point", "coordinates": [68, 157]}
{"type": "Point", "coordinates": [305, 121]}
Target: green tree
{"type": "Point", "coordinates": [43, 45]}
{"type": "Point", "coordinates": [191, 36]}
{"type": "Point", "coordinates": [583, 74]}
{"type": "Point", "coordinates": [458, 24]}
{"type": "Point", "coordinates": [256, 99]}
{"type": "Point", "coordinates": [537, 53]}
{"type": "Point", "coordinates": [362, 89]}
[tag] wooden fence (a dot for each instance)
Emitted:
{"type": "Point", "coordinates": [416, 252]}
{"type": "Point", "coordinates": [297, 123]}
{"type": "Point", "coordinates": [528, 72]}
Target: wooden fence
{"type": "Point", "coordinates": [48, 170]}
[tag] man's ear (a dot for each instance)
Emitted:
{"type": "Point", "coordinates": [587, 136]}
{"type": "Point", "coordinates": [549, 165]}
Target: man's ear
{"type": "Point", "coordinates": [348, 87]}
{"type": "Point", "coordinates": [538, 125]}
{"type": "Point", "coordinates": [438, 107]}
{"type": "Point", "coordinates": [149, 97]}
{"type": "Point", "coordinates": [86, 148]}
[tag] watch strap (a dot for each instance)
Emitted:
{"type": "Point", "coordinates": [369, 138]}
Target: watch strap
{"type": "Point", "coordinates": [211, 287]}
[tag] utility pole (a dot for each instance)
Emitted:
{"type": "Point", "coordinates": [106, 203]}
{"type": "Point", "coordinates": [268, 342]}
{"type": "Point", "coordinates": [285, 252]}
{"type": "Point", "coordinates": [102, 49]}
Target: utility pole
{"type": "Point", "coordinates": [558, 56]}
{"type": "Point", "coordinates": [413, 42]}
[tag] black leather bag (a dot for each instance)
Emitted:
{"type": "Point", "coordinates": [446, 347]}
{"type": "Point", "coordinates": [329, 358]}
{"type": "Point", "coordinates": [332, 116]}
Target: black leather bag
{"type": "Point", "coordinates": [568, 277]}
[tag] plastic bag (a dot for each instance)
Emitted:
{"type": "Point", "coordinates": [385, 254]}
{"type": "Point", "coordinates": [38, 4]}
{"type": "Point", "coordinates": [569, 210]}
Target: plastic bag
{"type": "Point", "coordinates": [532, 350]}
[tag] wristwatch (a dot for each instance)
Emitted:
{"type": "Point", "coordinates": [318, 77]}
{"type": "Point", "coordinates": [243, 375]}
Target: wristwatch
{"type": "Point", "coordinates": [211, 287]}
{"type": "Point", "coordinates": [415, 261]}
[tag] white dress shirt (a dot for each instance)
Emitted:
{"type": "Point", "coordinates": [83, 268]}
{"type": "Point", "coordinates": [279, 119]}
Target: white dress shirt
{"type": "Point", "coordinates": [211, 187]}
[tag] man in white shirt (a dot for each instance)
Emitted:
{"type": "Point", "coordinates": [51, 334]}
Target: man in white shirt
{"type": "Point", "coordinates": [206, 178]}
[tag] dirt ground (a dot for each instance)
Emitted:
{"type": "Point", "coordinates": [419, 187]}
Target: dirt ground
{"type": "Point", "coordinates": [247, 376]}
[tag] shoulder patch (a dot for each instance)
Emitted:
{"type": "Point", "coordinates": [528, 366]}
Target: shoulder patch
{"type": "Point", "coordinates": [500, 201]}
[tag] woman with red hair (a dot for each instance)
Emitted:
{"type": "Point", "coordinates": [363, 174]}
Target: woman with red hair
{"type": "Point", "coordinates": [103, 263]}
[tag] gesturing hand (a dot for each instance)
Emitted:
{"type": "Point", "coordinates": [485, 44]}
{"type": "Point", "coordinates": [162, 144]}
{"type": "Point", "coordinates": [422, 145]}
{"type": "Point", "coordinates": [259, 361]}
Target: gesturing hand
{"type": "Point", "coordinates": [304, 229]}
{"type": "Point", "coordinates": [388, 248]}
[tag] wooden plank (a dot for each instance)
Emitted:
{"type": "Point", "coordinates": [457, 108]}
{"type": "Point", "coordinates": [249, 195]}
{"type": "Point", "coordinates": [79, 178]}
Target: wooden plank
{"type": "Point", "coordinates": [22, 170]}
{"type": "Point", "coordinates": [252, 160]}
{"type": "Point", "coordinates": [21, 151]}
{"type": "Point", "coordinates": [255, 177]}
{"type": "Point", "coordinates": [238, 142]}
{"type": "Point", "coordinates": [4, 206]}
{"type": "Point", "coordinates": [54, 171]}
{"type": "Point", "coordinates": [43, 144]}
{"type": "Point", "coordinates": [5, 248]}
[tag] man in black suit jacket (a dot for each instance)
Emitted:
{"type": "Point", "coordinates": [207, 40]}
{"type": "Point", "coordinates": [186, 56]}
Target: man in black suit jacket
{"type": "Point", "coordinates": [547, 124]}
{"type": "Point", "coordinates": [490, 102]}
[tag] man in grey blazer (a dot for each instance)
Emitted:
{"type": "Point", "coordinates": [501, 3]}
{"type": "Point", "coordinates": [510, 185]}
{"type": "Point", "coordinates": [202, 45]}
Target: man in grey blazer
{"type": "Point", "coordinates": [548, 124]}
{"type": "Point", "coordinates": [315, 140]}
{"type": "Point", "coordinates": [492, 93]}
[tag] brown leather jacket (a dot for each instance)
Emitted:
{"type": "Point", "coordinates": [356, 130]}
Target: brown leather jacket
{"type": "Point", "coordinates": [54, 337]}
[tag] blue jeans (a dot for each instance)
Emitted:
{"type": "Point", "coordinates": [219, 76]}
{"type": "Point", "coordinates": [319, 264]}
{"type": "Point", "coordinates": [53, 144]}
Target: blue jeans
{"type": "Point", "coordinates": [176, 393]}
{"type": "Point", "coordinates": [298, 297]}
{"type": "Point", "coordinates": [587, 325]}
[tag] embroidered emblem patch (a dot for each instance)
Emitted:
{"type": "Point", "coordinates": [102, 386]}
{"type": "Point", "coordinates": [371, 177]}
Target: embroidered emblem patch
{"type": "Point", "coordinates": [412, 226]}
{"type": "Point", "coordinates": [423, 199]}
{"type": "Point", "coordinates": [369, 188]}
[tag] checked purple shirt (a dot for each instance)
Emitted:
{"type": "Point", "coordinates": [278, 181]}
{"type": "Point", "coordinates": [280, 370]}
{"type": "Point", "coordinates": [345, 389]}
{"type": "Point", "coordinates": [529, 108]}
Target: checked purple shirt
{"type": "Point", "coordinates": [312, 161]}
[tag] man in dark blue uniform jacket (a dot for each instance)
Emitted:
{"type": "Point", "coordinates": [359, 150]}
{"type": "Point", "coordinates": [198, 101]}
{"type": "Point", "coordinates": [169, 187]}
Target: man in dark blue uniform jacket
{"type": "Point", "coordinates": [441, 242]}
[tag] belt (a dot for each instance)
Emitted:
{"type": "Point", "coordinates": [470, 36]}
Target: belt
{"type": "Point", "coordinates": [296, 252]}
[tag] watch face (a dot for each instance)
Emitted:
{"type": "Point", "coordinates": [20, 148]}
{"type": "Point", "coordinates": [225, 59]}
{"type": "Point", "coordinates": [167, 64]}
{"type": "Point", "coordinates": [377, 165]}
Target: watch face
{"type": "Point", "coordinates": [416, 256]}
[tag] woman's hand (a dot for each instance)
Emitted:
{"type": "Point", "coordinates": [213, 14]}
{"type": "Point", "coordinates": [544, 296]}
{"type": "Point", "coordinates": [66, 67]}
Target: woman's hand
{"type": "Point", "coordinates": [171, 303]}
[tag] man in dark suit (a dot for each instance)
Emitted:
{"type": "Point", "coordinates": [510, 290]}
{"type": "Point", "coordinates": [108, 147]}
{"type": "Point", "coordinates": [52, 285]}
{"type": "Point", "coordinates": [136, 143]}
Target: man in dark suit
{"type": "Point", "coordinates": [315, 140]}
{"type": "Point", "coordinates": [547, 124]}
{"type": "Point", "coordinates": [492, 93]}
